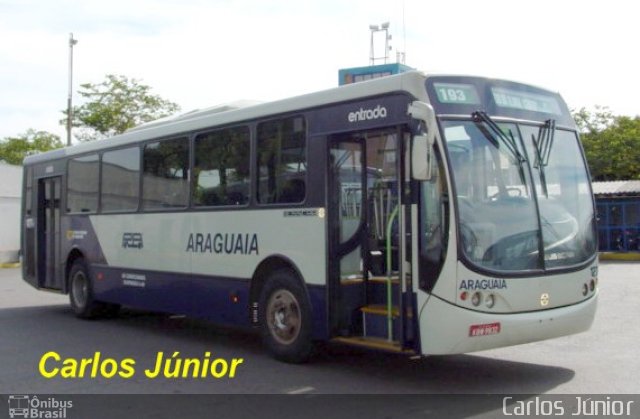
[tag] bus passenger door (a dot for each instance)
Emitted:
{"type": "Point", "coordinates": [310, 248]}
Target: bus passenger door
{"type": "Point", "coordinates": [366, 237]}
{"type": "Point", "coordinates": [48, 233]}
{"type": "Point", "coordinates": [347, 225]}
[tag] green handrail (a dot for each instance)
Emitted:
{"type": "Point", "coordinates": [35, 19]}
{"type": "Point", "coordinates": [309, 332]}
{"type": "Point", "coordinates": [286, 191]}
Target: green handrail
{"type": "Point", "coordinates": [392, 217]}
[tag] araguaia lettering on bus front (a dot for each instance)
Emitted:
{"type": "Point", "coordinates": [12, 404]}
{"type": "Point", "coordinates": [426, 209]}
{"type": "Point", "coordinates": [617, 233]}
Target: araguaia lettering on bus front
{"type": "Point", "coordinates": [483, 284]}
{"type": "Point", "coordinates": [227, 243]}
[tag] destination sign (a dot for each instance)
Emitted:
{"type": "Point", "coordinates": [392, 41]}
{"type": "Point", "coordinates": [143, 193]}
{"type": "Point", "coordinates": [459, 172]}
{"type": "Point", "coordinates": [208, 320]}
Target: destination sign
{"type": "Point", "coordinates": [526, 101]}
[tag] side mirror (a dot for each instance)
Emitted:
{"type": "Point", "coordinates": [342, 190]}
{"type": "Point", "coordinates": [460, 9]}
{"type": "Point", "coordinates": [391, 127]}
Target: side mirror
{"type": "Point", "coordinates": [422, 146]}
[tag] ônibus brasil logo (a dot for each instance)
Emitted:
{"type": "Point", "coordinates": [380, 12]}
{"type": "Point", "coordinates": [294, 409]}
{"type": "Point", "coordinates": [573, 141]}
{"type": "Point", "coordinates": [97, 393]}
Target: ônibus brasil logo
{"type": "Point", "coordinates": [33, 407]}
{"type": "Point", "coordinates": [367, 114]}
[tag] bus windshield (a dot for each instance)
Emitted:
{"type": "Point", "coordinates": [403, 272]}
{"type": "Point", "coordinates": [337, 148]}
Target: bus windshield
{"type": "Point", "coordinates": [523, 195]}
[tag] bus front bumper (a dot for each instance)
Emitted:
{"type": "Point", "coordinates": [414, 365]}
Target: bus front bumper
{"type": "Point", "coordinates": [448, 329]}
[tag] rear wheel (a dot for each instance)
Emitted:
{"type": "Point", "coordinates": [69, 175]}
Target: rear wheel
{"type": "Point", "coordinates": [285, 318]}
{"type": "Point", "coordinates": [81, 295]}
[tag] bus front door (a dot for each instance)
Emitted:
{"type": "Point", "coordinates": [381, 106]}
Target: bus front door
{"type": "Point", "coordinates": [48, 233]}
{"type": "Point", "coordinates": [366, 242]}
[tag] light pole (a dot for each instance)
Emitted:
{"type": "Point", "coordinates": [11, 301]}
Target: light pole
{"type": "Point", "coordinates": [72, 42]}
{"type": "Point", "coordinates": [381, 28]}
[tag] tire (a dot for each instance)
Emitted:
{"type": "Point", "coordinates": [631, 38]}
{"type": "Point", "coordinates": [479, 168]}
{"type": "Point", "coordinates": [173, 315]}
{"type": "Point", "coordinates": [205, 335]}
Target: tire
{"type": "Point", "coordinates": [285, 318]}
{"type": "Point", "coordinates": [81, 295]}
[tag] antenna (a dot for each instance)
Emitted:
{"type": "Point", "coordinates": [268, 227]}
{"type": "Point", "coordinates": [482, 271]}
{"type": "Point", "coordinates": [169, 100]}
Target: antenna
{"type": "Point", "coordinates": [404, 36]}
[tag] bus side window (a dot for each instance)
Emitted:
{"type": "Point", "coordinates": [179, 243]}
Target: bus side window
{"type": "Point", "coordinates": [282, 161]}
{"type": "Point", "coordinates": [165, 182]}
{"type": "Point", "coordinates": [82, 184]}
{"type": "Point", "coordinates": [221, 172]}
{"type": "Point", "coordinates": [120, 180]}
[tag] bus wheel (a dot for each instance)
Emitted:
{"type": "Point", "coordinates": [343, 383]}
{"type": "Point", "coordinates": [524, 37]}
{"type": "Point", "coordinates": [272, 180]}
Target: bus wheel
{"type": "Point", "coordinates": [285, 318]}
{"type": "Point", "coordinates": [81, 292]}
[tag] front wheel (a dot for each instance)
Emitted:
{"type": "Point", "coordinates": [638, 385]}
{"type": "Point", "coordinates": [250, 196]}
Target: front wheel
{"type": "Point", "coordinates": [285, 318]}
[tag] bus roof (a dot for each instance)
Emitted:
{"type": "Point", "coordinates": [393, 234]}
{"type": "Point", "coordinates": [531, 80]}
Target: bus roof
{"type": "Point", "coordinates": [412, 82]}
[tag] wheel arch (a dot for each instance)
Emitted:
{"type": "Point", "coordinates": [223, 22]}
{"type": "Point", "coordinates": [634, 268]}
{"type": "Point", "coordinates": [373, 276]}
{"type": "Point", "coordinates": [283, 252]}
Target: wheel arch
{"type": "Point", "coordinates": [73, 255]}
{"type": "Point", "coordinates": [259, 278]}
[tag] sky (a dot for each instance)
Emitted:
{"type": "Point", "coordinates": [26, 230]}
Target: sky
{"type": "Point", "coordinates": [199, 53]}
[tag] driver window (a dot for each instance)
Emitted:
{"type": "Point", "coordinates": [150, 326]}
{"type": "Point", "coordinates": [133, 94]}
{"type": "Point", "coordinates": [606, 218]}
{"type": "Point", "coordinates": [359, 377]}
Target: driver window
{"type": "Point", "coordinates": [434, 220]}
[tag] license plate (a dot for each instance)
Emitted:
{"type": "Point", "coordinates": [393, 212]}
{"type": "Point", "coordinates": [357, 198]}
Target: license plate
{"type": "Point", "coordinates": [484, 329]}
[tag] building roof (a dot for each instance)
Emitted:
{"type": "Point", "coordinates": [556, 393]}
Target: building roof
{"type": "Point", "coordinates": [617, 187]}
{"type": "Point", "coordinates": [10, 181]}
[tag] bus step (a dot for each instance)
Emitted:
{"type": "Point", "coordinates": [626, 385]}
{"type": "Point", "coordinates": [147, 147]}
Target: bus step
{"type": "Point", "coordinates": [373, 343]}
{"type": "Point", "coordinates": [375, 322]}
{"type": "Point", "coordinates": [380, 310]}
{"type": "Point", "coordinates": [353, 280]}
{"type": "Point", "coordinates": [395, 279]}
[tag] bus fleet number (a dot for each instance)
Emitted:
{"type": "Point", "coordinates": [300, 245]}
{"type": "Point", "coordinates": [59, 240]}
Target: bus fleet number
{"type": "Point", "coordinates": [453, 95]}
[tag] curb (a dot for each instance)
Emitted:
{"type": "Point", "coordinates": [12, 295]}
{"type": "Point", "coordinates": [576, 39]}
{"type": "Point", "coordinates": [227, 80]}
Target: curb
{"type": "Point", "coordinates": [631, 256]}
{"type": "Point", "coordinates": [10, 265]}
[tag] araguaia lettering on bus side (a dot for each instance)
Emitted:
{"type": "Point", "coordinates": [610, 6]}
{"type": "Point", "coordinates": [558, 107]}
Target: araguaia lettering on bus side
{"type": "Point", "coordinates": [227, 243]}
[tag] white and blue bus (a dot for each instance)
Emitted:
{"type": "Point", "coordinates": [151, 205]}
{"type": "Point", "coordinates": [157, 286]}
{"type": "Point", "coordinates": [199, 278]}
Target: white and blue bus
{"type": "Point", "coordinates": [422, 214]}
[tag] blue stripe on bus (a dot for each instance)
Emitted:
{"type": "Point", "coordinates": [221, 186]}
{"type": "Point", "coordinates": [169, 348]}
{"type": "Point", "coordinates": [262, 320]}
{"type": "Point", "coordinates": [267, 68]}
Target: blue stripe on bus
{"type": "Point", "coordinates": [218, 299]}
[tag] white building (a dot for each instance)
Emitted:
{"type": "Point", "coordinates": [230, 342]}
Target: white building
{"type": "Point", "coordinates": [10, 196]}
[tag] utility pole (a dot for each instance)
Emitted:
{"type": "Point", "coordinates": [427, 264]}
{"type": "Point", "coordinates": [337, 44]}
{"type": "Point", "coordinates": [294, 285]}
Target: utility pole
{"type": "Point", "coordinates": [72, 42]}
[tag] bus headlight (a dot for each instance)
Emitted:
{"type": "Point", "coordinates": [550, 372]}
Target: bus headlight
{"type": "Point", "coordinates": [490, 301]}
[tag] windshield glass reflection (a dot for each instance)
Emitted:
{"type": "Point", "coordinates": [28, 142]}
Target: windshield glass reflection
{"type": "Point", "coordinates": [502, 223]}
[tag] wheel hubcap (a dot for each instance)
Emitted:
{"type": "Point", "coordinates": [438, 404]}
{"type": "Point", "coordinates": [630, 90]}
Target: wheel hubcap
{"type": "Point", "coordinates": [79, 288]}
{"type": "Point", "coordinates": [283, 316]}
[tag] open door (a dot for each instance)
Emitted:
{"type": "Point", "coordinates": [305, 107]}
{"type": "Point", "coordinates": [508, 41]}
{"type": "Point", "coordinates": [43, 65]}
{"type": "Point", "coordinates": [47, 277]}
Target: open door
{"type": "Point", "coordinates": [366, 237]}
{"type": "Point", "coordinates": [48, 233]}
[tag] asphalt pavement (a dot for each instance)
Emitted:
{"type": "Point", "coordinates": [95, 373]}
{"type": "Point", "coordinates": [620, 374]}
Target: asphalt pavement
{"type": "Point", "coordinates": [36, 325]}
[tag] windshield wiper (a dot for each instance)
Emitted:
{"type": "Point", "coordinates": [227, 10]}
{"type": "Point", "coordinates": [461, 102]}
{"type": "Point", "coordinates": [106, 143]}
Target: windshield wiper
{"type": "Point", "coordinates": [544, 142]}
{"type": "Point", "coordinates": [543, 145]}
{"type": "Point", "coordinates": [496, 136]}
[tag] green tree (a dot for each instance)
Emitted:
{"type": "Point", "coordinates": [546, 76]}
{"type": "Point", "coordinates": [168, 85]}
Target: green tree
{"type": "Point", "coordinates": [593, 122]}
{"type": "Point", "coordinates": [13, 150]}
{"type": "Point", "coordinates": [611, 143]}
{"type": "Point", "coordinates": [115, 105]}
